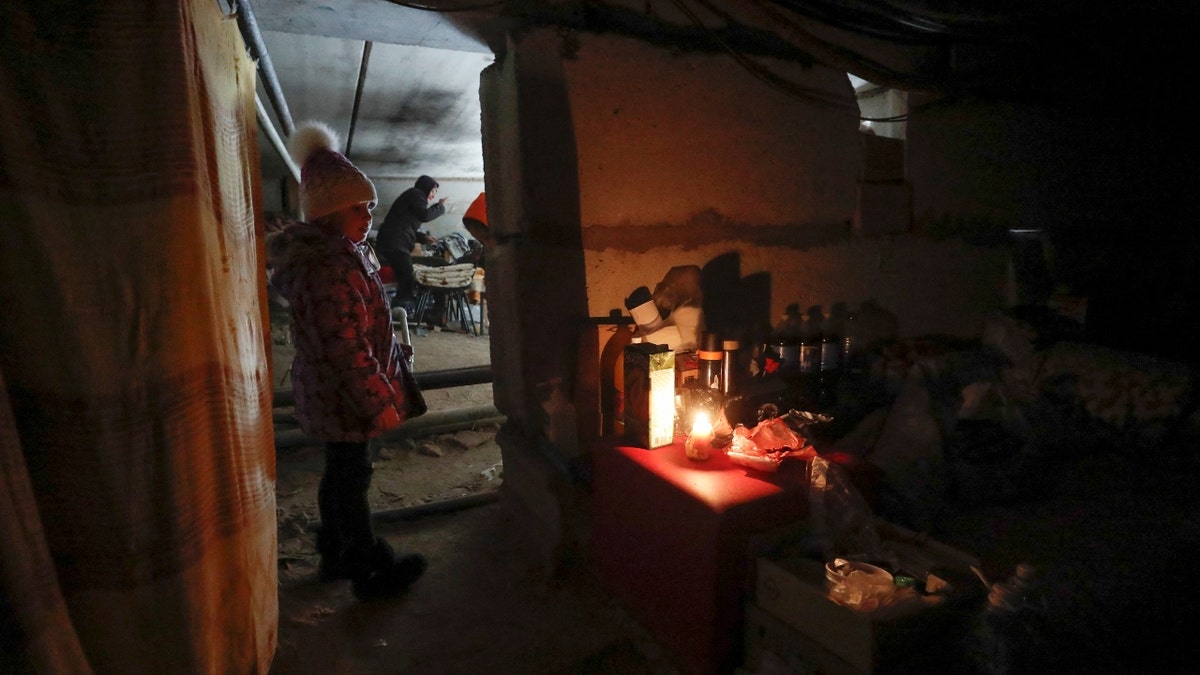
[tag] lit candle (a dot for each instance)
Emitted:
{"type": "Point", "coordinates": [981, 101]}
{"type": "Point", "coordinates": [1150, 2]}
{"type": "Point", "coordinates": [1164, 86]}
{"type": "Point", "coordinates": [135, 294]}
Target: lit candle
{"type": "Point", "coordinates": [699, 442]}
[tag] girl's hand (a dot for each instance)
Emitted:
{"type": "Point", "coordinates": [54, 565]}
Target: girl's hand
{"type": "Point", "coordinates": [388, 419]}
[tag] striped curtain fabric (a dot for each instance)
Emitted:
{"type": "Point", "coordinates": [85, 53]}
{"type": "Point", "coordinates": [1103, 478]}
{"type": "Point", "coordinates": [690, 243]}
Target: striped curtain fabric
{"type": "Point", "coordinates": [137, 506]}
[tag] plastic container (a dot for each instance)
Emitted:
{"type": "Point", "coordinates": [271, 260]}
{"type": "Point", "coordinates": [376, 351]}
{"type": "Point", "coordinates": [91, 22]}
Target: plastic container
{"type": "Point", "coordinates": [784, 343]}
{"type": "Point", "coordinates": [858, 584]}
{"type": "Point", "coordinates": [643, 310]}
{"type": "Point", "coordinates": [612, 381]}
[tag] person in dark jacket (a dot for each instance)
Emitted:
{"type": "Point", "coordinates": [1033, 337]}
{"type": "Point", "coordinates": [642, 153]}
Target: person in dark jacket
{"type": "Point", "coordinates": [401, 231]}
{"type": "Point", "coordinates": [350, 375]}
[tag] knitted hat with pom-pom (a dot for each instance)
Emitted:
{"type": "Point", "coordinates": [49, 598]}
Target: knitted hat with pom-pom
{"type": "Point", "coordinates": [328, 181]}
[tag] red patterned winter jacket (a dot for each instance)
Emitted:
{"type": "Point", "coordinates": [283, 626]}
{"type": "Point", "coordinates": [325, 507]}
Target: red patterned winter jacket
{"type": "Point", "coordinates": [348, 367]}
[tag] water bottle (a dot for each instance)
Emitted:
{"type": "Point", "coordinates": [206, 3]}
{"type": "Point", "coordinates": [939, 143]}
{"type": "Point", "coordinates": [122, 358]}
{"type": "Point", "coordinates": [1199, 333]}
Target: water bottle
{"type": "Point", "coordinates": [831, 366]}
{"type": "Point", "coordinates": [810, 356]}
{"type": "Point", "coordinates": [784, 345]}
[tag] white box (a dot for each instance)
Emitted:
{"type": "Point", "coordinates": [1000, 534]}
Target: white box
{"type": "Point", "coordinates": [767, 635]}
{"type": "Point", "coordinates": [794, 591]}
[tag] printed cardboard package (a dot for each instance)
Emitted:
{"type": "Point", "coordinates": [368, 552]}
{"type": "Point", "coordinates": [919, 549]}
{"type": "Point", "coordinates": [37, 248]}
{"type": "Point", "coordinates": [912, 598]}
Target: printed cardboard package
{"type": "Point", "coordinates": [649, 395]}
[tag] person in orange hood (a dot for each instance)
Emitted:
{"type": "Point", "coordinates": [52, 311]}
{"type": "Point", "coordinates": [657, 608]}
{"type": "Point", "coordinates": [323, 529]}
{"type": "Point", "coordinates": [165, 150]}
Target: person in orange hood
{"type": "Point", "coordinates": [476, 222]}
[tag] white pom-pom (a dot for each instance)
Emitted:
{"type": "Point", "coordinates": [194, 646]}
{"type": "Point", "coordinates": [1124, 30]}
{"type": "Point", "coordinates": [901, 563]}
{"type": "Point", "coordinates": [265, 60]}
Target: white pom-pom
{"type": "Point", "coordinates": [310, 137]}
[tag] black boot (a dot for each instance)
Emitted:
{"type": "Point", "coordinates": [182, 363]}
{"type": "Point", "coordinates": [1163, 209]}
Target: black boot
{"type": "Point", "coordinates": [333, 553]}
{"type": "Point", "coordinates": [377, 573]}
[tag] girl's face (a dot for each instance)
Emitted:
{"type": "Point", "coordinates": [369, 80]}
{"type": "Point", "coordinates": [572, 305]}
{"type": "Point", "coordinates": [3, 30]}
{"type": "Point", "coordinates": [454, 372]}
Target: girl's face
{"type": "Point", "coordinates": [355, 221]}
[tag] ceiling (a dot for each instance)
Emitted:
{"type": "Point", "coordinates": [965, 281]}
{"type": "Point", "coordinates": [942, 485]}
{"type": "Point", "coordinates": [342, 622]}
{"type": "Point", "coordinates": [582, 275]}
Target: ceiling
{"type": "Point", "coordinates": [418, 101]}
{"type": "Point", "coordinates": [415, 109]}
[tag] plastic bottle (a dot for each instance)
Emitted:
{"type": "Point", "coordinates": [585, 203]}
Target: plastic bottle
{"type": "Point", "coordinates": [831, 367]}
{"type": "Point", "coordinates": [784, 345]}
{"type": "Point", "coordinates": [831, 338]}
{"type": "Point", "coordinates": [852, 365]}
{"type": "Point", "coordinates": [612, 380]}
{"type": "Point", "coordinates": [810, 355]}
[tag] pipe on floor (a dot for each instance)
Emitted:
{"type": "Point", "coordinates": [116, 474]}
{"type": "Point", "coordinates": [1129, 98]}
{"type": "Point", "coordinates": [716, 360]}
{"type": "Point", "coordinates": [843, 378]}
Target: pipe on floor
{"type": "Point", "coordinates": [439, 422]}
{"type": "Point", "coordinates": [433, 379]}
{"type": "Point", "coordinates": [422, 510]}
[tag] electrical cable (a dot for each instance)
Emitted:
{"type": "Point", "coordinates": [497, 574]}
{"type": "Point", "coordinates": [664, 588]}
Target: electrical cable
{"type": "Point", "coordinates": [903, 22]}
{"type": "Point", "coordinates": [757, 70]}
{"type": "Point", "coordinates": [842, 57]}
{"type": "Point", "coordinates": [774, 79]}
{"type": "Point", "coordinates": [446, 10]}
{"type": "Point", "coordinates": [885, 120]}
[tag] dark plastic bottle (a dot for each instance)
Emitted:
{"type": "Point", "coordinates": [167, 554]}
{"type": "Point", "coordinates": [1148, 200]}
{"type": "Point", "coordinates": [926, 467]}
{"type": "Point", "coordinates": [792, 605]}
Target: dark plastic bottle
{"type": "Point", "coordinates": [852, 345]}
{"type": "Point", "coordinates": [784, 346]}
{"type": "Point", "coordinates": [831, 362]}
{"type": "Point", "coordinates": [612, 381]}
{"type": "Point", "coordinates": [810, 357]}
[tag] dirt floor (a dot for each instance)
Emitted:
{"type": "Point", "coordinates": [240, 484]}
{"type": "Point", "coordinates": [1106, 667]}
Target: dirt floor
{"type": "Point", "coordinates": [485, 605]}
{"type": "Point", "coordinates": [409, 472]}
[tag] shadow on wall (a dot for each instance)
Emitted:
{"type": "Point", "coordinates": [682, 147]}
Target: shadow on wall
{"type": "Point", "coordinates": [735, 306]}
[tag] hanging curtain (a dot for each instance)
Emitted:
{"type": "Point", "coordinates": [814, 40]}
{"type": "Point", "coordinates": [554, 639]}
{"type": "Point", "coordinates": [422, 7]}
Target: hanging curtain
{"type": "Point", "coordinates": [137, 506]}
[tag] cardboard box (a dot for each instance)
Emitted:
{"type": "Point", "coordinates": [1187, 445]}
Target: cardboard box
{"type": "Point", "coordinates": [793, 590]}
{"type": "Point", "coordinates": [649, 395]}
{"type": "Point", "coordinates": [769, 642]}
{"type": "Point", "coordinates": [687, 368]}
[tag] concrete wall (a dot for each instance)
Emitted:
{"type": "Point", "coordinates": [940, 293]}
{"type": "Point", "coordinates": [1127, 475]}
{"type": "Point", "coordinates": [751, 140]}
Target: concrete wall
{"type": "Point", "coordinates": [609, 161]}
{"type": "Point", "coordinates": [690, 160]}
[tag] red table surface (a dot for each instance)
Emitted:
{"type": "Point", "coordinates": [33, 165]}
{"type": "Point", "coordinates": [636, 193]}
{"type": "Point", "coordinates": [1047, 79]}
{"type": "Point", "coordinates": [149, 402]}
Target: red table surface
{"type": "Point", "coordinates": [670, 538]}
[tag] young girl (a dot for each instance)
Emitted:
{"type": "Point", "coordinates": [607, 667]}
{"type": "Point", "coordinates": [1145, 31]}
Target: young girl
{"type": "Point", "coordinates": [350, 376]}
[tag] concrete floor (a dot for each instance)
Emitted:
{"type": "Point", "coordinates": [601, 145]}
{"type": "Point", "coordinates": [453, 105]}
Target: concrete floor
{"type": "Point", "coordinates": [482, 607]}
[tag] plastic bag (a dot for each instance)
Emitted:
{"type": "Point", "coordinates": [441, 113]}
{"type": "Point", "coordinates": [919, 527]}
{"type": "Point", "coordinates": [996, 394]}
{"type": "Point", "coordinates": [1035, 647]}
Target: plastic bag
{"type": "Point", "coordinates": [841, 519]}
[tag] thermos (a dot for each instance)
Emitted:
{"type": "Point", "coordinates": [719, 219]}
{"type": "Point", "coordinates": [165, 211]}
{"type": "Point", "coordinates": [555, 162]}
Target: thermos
{"type": "Point", "coordinates": [711, 358]}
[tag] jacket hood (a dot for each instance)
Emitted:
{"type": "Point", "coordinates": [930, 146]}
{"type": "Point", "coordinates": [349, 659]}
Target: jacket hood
{"type": "Point", "coordinates": [294, 250]}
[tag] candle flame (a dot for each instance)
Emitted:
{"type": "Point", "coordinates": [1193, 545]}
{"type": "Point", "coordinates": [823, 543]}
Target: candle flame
{"type": "Point", "coordinates": [701, 425]}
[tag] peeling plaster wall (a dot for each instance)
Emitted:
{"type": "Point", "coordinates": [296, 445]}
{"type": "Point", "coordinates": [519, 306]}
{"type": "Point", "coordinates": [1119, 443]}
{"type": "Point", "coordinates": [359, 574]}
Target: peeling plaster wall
{"type": "Point", "coordinates": [663, 136]}
{"type": "Point", "coordinates": [609, 161]}
{"type": "Point", "coordinates": [687, 159]}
